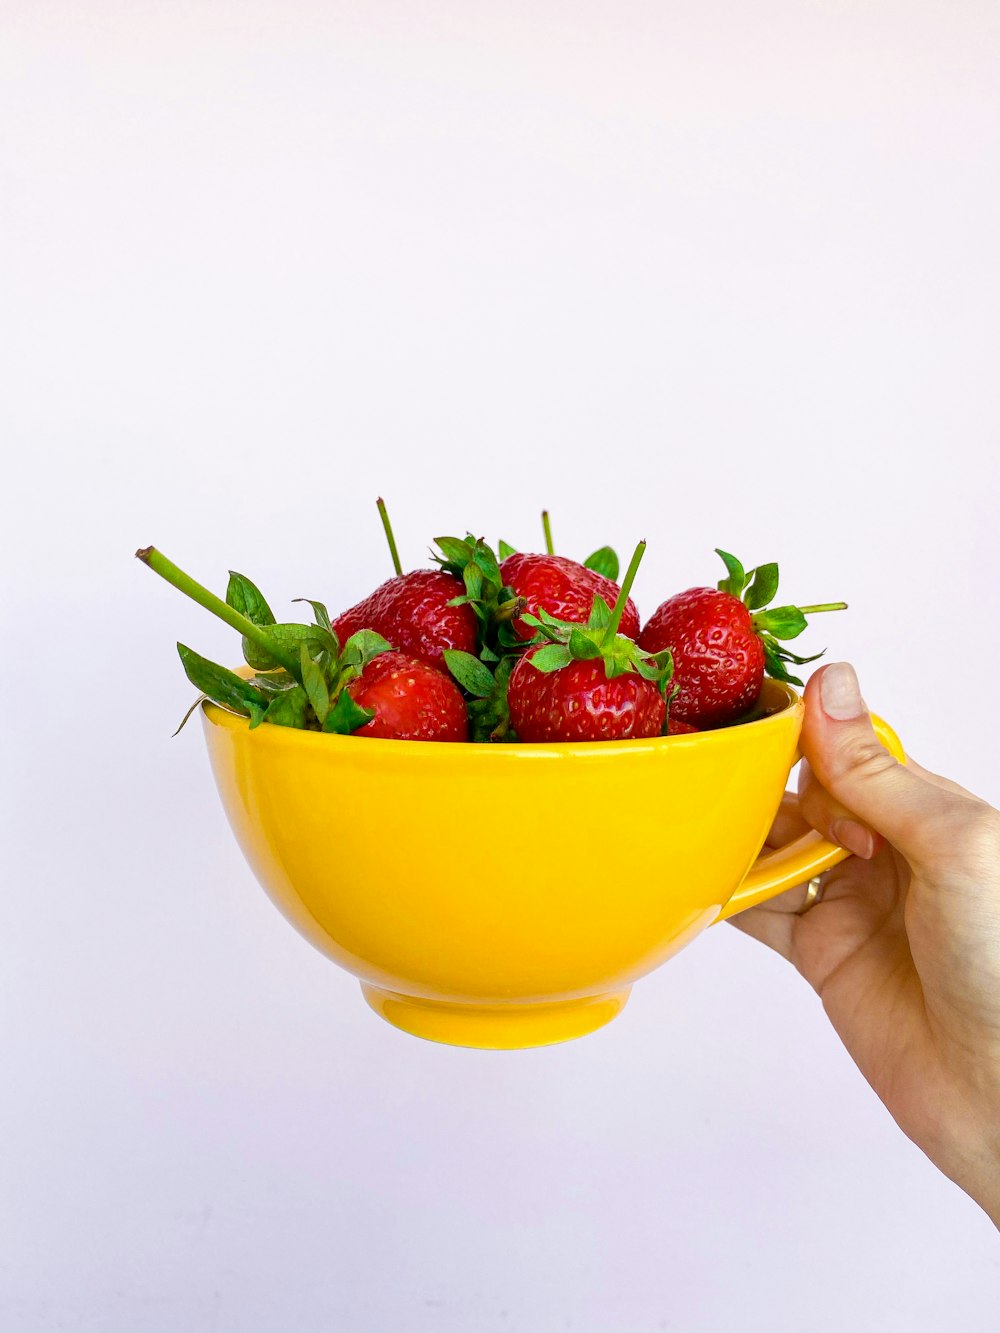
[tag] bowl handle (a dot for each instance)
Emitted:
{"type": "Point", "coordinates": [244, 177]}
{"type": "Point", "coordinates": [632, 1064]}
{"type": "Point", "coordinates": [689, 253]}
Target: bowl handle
{"type": "Point", "coordinates": [774, 872]}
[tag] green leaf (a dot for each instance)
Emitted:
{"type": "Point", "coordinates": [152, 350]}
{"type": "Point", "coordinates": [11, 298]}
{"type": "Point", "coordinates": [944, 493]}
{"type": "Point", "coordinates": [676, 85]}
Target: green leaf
{"type": "Point", "coordinates": [454, 550]}
{"type": "Point", "coordinates": [552, 657]}
{"type": "Point", "coordinates": [787, 656]}
{"type": "Point", "coordinates": [220, 685]}
{"type": "Point", "coordinates": [600, 614]}
{"type": "Point", "coordinates": [346, 716]}
{"type": "Point", "coordinates": [474, 580]}
{"type": "Point", "coordinates": [489, 718]}
{"type": "Point", "coordinates": [508, 639]}
{"type": "Point", "coordinates": [244, 596]}
{"type": "Point", "coordinates": [737, 580]}
{"type": "Point", "coordinates": [774, 665]}
{"type": "Point", "coordinates": [470, 673]}
{"type": "Point", "coordinates": [487, 562]}
{"type": "Point", "coordinates": [320, 612]}
{"type": "Point", "coordinates": [603, 561]}
{"type": "Point", "coordinates": [784, 622]}
{"type": "Point", "coordinates": [274, 682]}
{"type": "Point", "coordinates": [288, 709]}
{"type": "Point", "coordinates": [582, 646]}
{"type": "Point", "coordinates": [763, 588]}
{"type": "Point", "coordinates": [503, 550]}
{"type": "Point", "coordinates": [532, 621]}
{"type": "Point", "coordinates": [314, 684]}
{"type": "Point", "coordinates": [187, 716]}
{"type": "Point", "coordinates": [362, 646]}
{"type": "Point", "coordinates": [292, 634]}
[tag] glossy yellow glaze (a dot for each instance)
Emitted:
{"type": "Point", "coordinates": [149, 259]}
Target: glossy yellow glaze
{"type": "Point", "coordinates": [509, 895]}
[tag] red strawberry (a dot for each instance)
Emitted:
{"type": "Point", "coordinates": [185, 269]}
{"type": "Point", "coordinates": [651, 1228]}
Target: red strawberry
{"type": "Point", "coordinates": [579, 703]}
{"type": "Point", "coordinates": [675, 727]}
{"type": "Point", "coordinates": [411, 611]}
{"type": "Point", "coordinates": [412, 700]}
{"type": "Point", "coordinates": [589, 683]}
{"type": "Point", "coordinates": [563, 588]}
{"type": "Point", "coordinates": [723, 642]}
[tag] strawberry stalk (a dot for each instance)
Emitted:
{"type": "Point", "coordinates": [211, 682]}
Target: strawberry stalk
{"type": "Point", "coordinates": [384, 515]}
{"type": "Point", "coordinates": [306, 669]}
{"type": "Point", "coordinates": [547, 529]}
{"type": "Point", "coordinates": [166, 569]}
{"type": "Point", "coordinates": [570, 642]}
{"type": "Point", "coordinates": [826, 606]}
{"type": "Point", "coordinates": [626, 588]}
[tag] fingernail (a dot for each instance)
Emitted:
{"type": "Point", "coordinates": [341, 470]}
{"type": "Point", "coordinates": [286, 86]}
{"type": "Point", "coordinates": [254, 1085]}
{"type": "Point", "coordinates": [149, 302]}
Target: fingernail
{"type": "Point", "coordinates": [855, 837]}
{"type": "Point", "coordinates": [839, 692]}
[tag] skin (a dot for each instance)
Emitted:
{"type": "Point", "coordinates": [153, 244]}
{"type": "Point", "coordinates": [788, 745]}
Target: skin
{"type": "Point", "coordinates": [904, 946]}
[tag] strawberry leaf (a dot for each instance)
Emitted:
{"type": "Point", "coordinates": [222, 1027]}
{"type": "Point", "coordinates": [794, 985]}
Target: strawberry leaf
{"type": "Point", "coordinates": [763, 588]}
{"type": "Point", "coordinates": [784, 622]}
{"type": "Point", "coordinates": [290, 708]}
{"type": "Point", "coordinates": [362, 646]}
{"type": "Point", "coordinates": [600, 614]}
{"type": "Point", "coordinates": [737, 579]}
{"type": "Point", "coordinates": [583, 647]}
{"type": "Point", "coordinates": [470, 673]}
{"type": "Point", "coordinates": [244, 596]}
{"type": "Point", "coordinates": [314, 684]}
{"type": "Point", "coordinates": [486, 561]}
{"type": "Point", "coordinates": [346, 716]}
{"type": "Point", "coordinates": [504, 550]}
{"type": "Point", "coordinates": [220, 685]}
{"type": "Point", "coordinates": [603, 561]}
{"type": "Point", "coordinates": [474, 580]}
{"type": "Point", "coordinates": [322, 616]}
{"type": "Point", "coordinates": [774, 663]}
{"type": "Point", "coordinates": [455, 552]}
{"type": "Point", "coordinates": [552, 657]}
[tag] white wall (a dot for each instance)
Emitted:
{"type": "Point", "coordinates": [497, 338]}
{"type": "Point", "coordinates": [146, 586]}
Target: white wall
{"type": "Point", "coordinates": [716, 274]}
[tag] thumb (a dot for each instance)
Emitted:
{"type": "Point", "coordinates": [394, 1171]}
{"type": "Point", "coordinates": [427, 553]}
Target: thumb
{"type": "Point", "coordinates": [848, 760]}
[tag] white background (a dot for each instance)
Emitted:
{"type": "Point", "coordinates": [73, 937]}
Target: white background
{"type": "Point", "coordinates": [712, 274]}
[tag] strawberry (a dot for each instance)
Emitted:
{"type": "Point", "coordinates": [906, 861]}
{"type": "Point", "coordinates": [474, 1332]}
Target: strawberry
{"type": "Point", "coordinates": [563, 588]}
{"type": "Point", "coordinates": [723, 642]}
{"type": "Point", "coordinates": [589, 683]}
{"type": "Point", "coordinates": [579, 703]}
{"type": "Point", "coordinates": [412, 612]}
{"type": "Point", "coordinates": [411, 700]}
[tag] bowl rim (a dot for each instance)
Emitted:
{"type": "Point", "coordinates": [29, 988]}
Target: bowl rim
{"type": "Point", "coordinates": [289, 737]}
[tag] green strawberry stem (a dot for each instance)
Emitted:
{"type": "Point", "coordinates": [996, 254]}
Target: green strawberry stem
{"type": "Point", "coordinates": [626, 588]}
{"type": "Point", "coordinates": [166, 569]}
{"type": "Point", "coordinates": [826, 606]}
{"type": "Point", "coordinates": [547, 529]}
{"type": "Point", "coordinates": [384, 515]}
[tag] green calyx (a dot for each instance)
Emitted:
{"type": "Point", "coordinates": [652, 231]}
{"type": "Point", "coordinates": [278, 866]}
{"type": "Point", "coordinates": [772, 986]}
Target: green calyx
{"type": "Point", "coordinates": [756, 588]}
{"type": "Point", "coordinates": [599, 638]}
{"type": "Point", "coordinates": [486, 694]}
{"type": "Point", "coordinates": [495, 605]}
{"type": "Point", "coordinates": [301, 671]}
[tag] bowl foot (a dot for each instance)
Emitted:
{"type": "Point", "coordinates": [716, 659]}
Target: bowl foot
{"type": "Point", "coordinates": [496, 1027]}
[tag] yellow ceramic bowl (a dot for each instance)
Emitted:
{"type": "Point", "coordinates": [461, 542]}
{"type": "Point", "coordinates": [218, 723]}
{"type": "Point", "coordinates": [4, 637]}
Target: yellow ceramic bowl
{"type": "Point", "coordinates": [509, 895]}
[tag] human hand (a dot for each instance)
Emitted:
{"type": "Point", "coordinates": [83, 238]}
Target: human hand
{"type": "Point", "coordinates": [904, 946]}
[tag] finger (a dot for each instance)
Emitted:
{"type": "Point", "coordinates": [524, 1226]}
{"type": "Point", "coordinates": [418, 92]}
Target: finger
{"type": "Point", "coordinates": [833, 820]}
{"type": "Point", "coordinates": [775, 929]}
{"type": "Point", "coordinates": [789, 823]}
{"type": "Point", "coordinates": [916, 815]}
